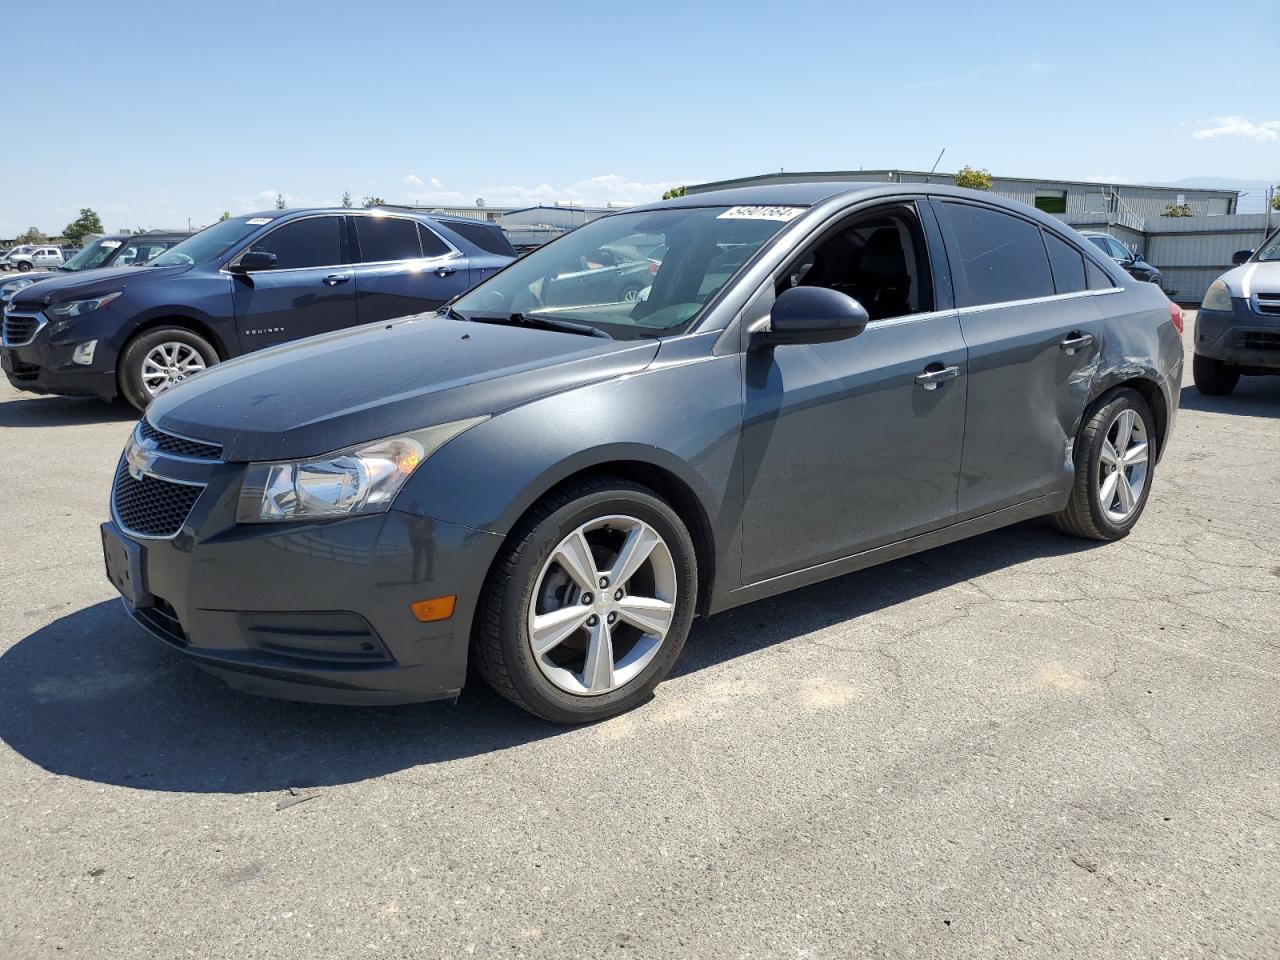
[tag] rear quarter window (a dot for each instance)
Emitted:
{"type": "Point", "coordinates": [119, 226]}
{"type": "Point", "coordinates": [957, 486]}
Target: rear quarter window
{"type": "Point", "coordinates": [488, 239]}
{"type": "Point", "coordinates": [1067, 263]}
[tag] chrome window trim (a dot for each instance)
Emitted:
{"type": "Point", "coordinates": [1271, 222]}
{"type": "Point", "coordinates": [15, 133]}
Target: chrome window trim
{"type": "Point", "coordinates": [225, 268]}
{"type": "Point", "coordinates": [371, 215]}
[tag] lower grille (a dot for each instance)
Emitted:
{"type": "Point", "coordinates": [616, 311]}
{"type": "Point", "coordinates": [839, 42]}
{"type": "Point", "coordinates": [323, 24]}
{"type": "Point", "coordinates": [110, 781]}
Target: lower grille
{"type": "Point", "coordinates": [163, 619]}
{"type": "Point", "coordinates": [19, 329]}
{"type": "Point", "coordinates": [24, 372]}
{"type": "Point", "coordinates": [150, 507]}
{"type": "Point", "coordinates": [1259, 340]}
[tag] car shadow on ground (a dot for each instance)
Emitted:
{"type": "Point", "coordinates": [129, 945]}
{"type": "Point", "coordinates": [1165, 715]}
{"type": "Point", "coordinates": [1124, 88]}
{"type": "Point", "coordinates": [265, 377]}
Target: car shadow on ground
{"type": "Point", "coordinates": [1254, 397]}
{"type": "Point", "coordinates": [91, 696]}
{"type": "Point", "coordinates": [63, 412]}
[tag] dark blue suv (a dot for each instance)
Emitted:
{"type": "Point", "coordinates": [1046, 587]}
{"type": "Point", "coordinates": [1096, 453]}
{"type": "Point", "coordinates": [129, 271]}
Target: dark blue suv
{"type": "Point", "coordinates": [240, 285]}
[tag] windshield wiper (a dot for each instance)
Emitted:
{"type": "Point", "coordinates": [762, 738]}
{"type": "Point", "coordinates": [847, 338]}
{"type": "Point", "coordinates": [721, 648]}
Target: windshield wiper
{"type": "Point", "coordinates": [539, 322]}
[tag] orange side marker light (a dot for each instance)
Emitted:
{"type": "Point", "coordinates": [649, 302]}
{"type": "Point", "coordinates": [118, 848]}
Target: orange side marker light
{"type": "Point", "coordinates": [437, 608]}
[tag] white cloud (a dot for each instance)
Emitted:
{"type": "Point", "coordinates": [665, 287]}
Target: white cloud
{"type": "Point", "coordinates": [435, 182]}
{"type": "Point", "coordinates": [266, 200]}
{"type": "Point", "coordinates": [412, 180]}
{"type": "Point", "coordinates": [1106, 178]}
{"type": "Point", "coordinates": [594, 191]}
{"type": "Point", "coordinates": [1237, 126]}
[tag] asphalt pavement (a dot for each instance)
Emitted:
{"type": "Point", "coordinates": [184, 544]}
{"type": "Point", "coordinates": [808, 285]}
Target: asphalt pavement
{"type": "Point", "coordinates": [1020, 745]}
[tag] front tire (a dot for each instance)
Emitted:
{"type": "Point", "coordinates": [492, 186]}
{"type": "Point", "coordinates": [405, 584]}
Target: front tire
{"type": "Point", "coordinates": [588, 606]}
{"type": "Point", "coordinates": [1213, 378]}
{"type": "Point", "coordinates": [1115, 457]}
{"type": "Point", "coordinates": [159, 360]}
{"type": "Point", "coordinates": [23, 266]}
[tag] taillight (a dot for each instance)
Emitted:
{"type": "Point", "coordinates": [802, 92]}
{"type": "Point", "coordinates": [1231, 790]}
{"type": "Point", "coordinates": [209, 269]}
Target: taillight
{"type": "Point", "coordinates": [1175, 315]}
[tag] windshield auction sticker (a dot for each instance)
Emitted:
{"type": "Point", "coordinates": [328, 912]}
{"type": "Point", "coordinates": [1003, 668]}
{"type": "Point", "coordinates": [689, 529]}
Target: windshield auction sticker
{"type": "Point", "coordinates": [257, 221]}
{"type": "Point", "coordinates": [781, 214]}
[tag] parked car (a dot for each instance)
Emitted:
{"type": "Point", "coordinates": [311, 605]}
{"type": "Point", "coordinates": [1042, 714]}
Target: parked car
{"type": "Point", "coordinates": [133, 250]}
{"type": "Point", "coordinates": [1238, 324]}
{"type": "Point", "coordinates": [1131, 260]}
{"type": "Point", "coordinates": [38, 258]}
{"type": "Point", "coordinates": [556, 491]}
{"type": "Point", "coordinates": [22, 249]}
{"type": "Point", "coordinates": [238, 286]}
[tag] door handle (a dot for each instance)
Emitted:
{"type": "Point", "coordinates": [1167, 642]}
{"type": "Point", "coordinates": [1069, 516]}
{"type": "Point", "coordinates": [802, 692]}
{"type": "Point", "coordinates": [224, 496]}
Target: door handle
{"type": "Point", "coordinates": [1076, 341]}
{"type": "Point", "coordinates": [935, 375]}
{"type": "Point", "coordinates": [443, 272]}
{"type": "Point", "coordinates": [333, 279]}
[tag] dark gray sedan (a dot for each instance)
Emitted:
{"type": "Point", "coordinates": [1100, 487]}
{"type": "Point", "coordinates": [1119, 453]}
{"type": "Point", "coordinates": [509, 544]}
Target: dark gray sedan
{"type": "Point", "coordinates": [820, 377]}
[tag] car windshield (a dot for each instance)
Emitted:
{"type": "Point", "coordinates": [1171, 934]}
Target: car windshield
{"type": "Point", "coordinates": [94, 255]}
{"type": "Point", "coordinates": [1271, 249]}
{"type": "Point", "coordinates": [642, 274]}
{"type": "Point", "coordinates": [209, 242]}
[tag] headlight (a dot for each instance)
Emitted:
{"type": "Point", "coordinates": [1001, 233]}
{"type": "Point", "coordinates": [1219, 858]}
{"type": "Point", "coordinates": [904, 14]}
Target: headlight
{"type": "Point", "coordinates": [1217, 297]}
{"type": "Point", "coordinates": [363, 479]}
{"type": "Point", "coordinates": [13, 286]}
{"type": "Point", "coordinates": [78, 308]}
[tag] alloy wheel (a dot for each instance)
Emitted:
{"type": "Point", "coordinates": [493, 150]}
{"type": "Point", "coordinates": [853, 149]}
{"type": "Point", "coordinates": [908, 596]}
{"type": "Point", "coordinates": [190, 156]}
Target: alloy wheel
{"type": "Point", "coordinates": [1122, 466]}
{"type": "Point", "coordinates": [602, 605]}
{"type": "Point", "coordinates": [168, 364]}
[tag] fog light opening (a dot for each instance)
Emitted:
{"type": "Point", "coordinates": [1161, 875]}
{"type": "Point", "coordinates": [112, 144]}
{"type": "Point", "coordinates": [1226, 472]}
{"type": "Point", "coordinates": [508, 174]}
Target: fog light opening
{"type": "Point", "coordinates": [437, 608]}
{"type": "Point", "coordinates": [83, 354]}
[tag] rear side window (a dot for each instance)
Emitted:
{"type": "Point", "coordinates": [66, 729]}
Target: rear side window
{"type": "Point", "coordinates": [387, 238]}
{"type": "Point", "coordinates": [486, 238]}
{"type": "Point", "coordinates": [1067, 263]}
{"type": "Point", "coordinates": [1002, 256]}
{"type": "Point", "coordinates": [432, 245]}
{"type": "Point", "coordinates": [313, 242]}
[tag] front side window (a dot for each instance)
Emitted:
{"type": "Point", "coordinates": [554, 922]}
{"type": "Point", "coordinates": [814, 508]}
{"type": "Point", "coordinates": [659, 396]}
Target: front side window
{"type": "Point", "coordinates": [384, 239]}
{"type": "Point", "coordinates": [1067, 263]}
{"type": "Point", "coordinates": [310, 242]}
{"type": "Point", "coordinates": [1002, 256]}
{"type": "Point", "coordinates": [684, 256]}
{"type": "Point", "coordinates": [880, 259]}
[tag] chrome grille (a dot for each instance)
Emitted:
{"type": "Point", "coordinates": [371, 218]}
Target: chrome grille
{"type": "Point", "coordinates": [20, 328]}
{"type": "Point", "coordinates": [150, 507]}
{"type": "Point", "coordinates": [178, 446]}
{"type": "Point", "coordinates": [1268, 303]}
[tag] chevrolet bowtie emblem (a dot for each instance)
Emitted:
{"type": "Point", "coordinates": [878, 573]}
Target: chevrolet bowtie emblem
{"type": "Point", "coordinates": [140, 456]}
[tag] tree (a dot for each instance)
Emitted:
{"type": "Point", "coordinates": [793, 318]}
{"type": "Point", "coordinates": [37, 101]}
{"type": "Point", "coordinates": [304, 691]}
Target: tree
{"type": "Point", "coordinates": [1275, 198]}
{"type": "Point", "coordinates": [33, 235]}
{"type": "Point", "coordinates": [226, 215]}
{"type": "Point", "coordinates": [673, 193]}
{"type": "Point", "coordinates": [279, 202]}
{"type": "Point", "coordinates": [88, 222]}
{"type": "Point", "coordinates": [374, 202]}
{"type": "Point", "coordinates": [974, 179]}
{"type": "Point", "coordinates": [1177, 210]}
{"type": "Point", "coordinates": [346, 198]}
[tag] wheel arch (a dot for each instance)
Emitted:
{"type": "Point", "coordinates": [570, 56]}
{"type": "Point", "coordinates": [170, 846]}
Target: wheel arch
{"type": "Point", "coordinates": [194, 324]}
{"type": "Point", "coordinates": [1149, 389]}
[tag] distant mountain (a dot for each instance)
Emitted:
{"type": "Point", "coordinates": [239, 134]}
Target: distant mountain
{"type": "Point", "coordinates": [1253, 193]}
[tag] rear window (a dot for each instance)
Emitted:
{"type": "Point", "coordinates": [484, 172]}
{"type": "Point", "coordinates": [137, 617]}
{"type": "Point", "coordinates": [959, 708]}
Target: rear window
{"type": "Point", "coordinates": [488, 239]}
{"type": "Point", "coordinates": [1067, 263]}
{"type": "Point", "coordinates": [1002, 255]}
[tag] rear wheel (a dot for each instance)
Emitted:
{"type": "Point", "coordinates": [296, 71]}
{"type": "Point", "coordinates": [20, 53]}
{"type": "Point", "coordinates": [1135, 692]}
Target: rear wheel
{"type": "Point", "coordinates": [588, 607]}
{"type": "Point", "coordinates": [23, 266]}
{"type": "Point", "coordinates": [1213, 377]}
{"type": "Point", "coordinates": [159, 360]}
{"type": "Point", "coordinates": [1115, 456]}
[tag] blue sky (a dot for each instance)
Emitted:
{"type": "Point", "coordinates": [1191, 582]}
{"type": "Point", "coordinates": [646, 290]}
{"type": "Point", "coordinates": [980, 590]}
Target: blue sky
{"type": "Point", "coordinates": [160, 112]}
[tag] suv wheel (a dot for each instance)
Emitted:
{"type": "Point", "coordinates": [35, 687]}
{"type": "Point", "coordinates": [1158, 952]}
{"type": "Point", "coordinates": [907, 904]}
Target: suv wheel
{"type": "Point", "coordinates": [1115, 456]}
{"type": "Point", "coordinates": [23, 266]}
{"type": "Point", "coordinates": [1213, 377]}
{"type": "Point", "coordinates": [589, 606]}
{"type": "Point", "coordinates": [160, 359]}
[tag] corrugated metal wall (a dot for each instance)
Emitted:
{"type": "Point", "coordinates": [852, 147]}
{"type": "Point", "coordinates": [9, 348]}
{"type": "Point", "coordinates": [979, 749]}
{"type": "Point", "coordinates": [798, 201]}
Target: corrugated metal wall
{"type": "Point", "coordinates": [1192, 252]}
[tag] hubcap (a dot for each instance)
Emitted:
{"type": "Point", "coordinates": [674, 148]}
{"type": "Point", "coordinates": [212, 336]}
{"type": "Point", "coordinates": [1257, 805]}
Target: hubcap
{"type": "Point", "coordinates": [1122, 466]}
{"type": "Point", "coordinates": [587, 640]}
{"type": "Point", "coordinates": [168, 364]}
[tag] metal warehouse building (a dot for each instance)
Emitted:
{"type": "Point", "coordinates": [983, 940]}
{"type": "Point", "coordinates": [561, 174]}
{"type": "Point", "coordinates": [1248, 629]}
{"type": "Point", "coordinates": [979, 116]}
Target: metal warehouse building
{"type": "Point", "coordinates": [1190, 251]}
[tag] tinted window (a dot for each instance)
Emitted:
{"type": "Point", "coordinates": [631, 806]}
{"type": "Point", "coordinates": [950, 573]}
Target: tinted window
{"type": "Point", "coordinates": [313, 242]}
{"type": "Point", "coordinates": [210, 242]}
{"type": "Point", "coordinates": [486, 238]}
{"type": "Point", "coordinates": [1100, 243]}
{"type": "Point", "coordinates": [1002, 256]}
{"type": "Point", "coordinates": [387, 238]}
{"type": "Point", "coordinates": [1118, 250]}
{"type": "Point", "coordinates": [1067, 263]}
{"type": "Point", "coordinates": [1098, 279]}
{"type": "Point", "coordinates": [432, 246]}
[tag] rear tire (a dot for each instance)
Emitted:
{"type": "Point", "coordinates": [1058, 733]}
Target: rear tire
{"type": "Point", "coordinates": [528, 585]}
{"type": "Point", "coordinates": [1115, 457]}
{"type": "Point", "coordinates": [1213, 378]}
{"type": "Point", "coordinates": [23, 266]}
{"type": "Point", "coordinates": [134, 372]}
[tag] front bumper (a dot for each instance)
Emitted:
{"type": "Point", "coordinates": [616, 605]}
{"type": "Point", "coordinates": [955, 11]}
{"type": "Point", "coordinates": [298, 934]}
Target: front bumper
{"type": "Point", "coordinates": [317, 612]}
{"type": "Point", "coordinates": [44, 363]}
{"type": "Point", "coordinates": [1243, 337]}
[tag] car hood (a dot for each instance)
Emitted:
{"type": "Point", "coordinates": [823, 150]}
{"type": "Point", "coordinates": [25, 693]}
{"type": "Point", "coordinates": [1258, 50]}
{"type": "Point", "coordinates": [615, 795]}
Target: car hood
{"type": "Point", "coordinates": [328, 392]}
{"type": "Point", "coordinates": [1251, 278]}
{"type": "Point", "coordinates": [59, 287]}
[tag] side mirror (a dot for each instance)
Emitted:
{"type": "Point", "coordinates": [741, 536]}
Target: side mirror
{"type": "Point", "coordinates": [1137, 257]}
{"type": "Point", "coordinates": [254, 261]}
{"type": "Point", "coordinates": [1241, 256]}
{"type": "Point", "coordinates": [811, 315]}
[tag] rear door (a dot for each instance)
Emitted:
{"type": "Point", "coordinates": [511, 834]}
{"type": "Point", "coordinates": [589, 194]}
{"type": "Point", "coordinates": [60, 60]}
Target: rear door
{"type": "Point", "coordinates": [310, 289]}
{"type": "Point", "coordinates": [403, 268]}
{"type": "Point", "coordinates": [1032, 345]}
